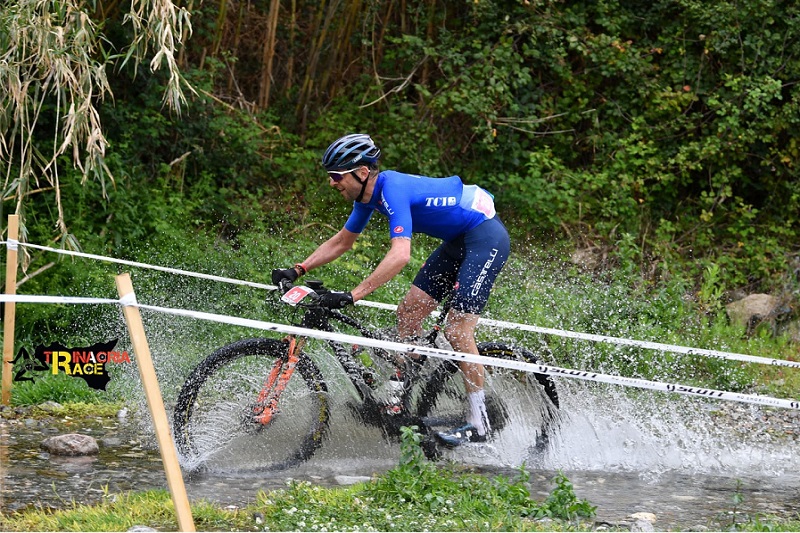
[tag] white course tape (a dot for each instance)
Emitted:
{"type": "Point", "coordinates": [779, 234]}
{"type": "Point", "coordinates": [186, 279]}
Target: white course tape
{"type": "Point", "coordinates": [618, 340]}
{"type": "Point", "coordinates": [490, 361]}
{"type": "Point", "coordinates": [145, 265]}
{"type": "Point", "coordinates": [128, 300]}
{"type": "Point", "coordinates": [482, 321]}
{"type": "Point", "coordinates": [644, 344]}
{"type": "Point", "coordinates": [31, 298]}
{"type": "Point", "coordinates": [423, 350]}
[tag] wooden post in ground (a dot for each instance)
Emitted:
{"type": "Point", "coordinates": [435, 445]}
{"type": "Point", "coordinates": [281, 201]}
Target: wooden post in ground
{"type": "Point", "coordinates": [155, 402]}
{"type": "Point", "coordinates": [10, 309]}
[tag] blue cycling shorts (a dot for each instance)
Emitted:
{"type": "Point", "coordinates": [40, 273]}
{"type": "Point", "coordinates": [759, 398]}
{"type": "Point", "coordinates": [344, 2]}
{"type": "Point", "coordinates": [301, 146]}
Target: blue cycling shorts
{"type": "Point", "coordinates": [466, 267]}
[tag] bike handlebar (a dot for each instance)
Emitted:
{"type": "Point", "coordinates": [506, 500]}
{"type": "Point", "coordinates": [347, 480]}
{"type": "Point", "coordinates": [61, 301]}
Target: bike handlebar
{"type": "Point", "coordinates": [284, 286]}
{"type": "Point", "coordinates": [314, 284]}
{"type": "Point", "coordinates": [311, 296]}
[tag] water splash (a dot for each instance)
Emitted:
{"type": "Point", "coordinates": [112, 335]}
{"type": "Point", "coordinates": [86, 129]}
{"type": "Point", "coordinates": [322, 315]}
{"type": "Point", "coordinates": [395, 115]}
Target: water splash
{"type": "Point", "coordinates": [604, 427]}
{"type": "Point", "coordinates": [608, 428]}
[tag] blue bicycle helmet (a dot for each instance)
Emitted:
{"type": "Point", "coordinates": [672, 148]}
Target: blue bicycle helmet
{"type": "Point", "coordinates": [351, 151]}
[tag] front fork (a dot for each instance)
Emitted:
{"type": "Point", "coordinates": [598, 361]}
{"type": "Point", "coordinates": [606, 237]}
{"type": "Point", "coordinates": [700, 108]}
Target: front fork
{"type": "Point", "coordinates": [266, 406]}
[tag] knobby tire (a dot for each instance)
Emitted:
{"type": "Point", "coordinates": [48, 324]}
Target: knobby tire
{"type": "Point", "coordinates": [211, 422]}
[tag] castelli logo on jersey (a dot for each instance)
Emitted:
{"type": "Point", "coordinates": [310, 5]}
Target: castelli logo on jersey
{"type": "Point", "coordinates": [398, 229]}
{"type": "Point", "coordinates": [389, 210]}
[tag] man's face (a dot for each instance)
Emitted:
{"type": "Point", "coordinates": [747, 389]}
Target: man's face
{"type": "Point", "coordinates": [348, 185]}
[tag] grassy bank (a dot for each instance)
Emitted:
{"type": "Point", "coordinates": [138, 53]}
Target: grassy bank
{"type": "Point", "coordinates": [539, 286]}
{"type": "Point", "coordinates": [301, 507]}
{"type": "Point", "coordinates": [414, 496]}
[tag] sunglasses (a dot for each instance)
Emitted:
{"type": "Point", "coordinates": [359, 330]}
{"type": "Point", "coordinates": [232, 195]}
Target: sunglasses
{"type": "Point", "coordinates": [338, 175]}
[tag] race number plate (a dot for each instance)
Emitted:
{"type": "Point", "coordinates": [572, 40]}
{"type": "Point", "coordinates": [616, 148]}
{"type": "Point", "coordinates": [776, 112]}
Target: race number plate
{"type": "Point", "coordinates": [296, 294]}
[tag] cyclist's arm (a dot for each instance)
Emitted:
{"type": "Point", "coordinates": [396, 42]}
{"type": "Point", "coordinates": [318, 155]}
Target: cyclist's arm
{"type": "Point", "coordinates": [398, 257]}
{"type": "Point", "coordinates": [331, 249]}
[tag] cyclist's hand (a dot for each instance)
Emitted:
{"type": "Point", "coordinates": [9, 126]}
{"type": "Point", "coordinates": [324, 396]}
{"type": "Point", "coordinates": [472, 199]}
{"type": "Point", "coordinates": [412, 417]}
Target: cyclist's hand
{"type": "Point", "coordinates": [287, 274]}
{"type": "Point", "coordinates": [335, 300]}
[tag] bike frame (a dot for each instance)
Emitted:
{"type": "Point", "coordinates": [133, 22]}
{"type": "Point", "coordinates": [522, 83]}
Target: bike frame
{"type": "Point", "coordinates": [317, 317]}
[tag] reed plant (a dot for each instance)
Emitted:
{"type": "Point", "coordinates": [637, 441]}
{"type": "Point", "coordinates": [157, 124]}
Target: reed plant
{"type": "Point", "coordinates": [54, 62]}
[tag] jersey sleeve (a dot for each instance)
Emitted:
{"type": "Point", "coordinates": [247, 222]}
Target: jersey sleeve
{"type": "Point", "coordinates": [358, 218]}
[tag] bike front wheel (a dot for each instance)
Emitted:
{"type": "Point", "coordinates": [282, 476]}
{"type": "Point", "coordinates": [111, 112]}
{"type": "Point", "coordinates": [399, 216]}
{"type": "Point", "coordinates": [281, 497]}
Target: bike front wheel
{"type": "Point", "coordinates": [516, 401]}
{"type": "Point", "coordinates": [215, 422]}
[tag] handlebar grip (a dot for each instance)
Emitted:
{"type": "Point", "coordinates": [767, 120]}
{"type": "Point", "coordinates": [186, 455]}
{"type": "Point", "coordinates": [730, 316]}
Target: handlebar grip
{"type": "Point", "coordinates": [315, 285]}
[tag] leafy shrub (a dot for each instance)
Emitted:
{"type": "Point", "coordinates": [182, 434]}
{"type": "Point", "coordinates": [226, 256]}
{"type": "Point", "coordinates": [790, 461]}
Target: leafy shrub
{"type": "Point", "coordinates": [59, 388]}
{"type": "Point", "coordinates": [421, 484]}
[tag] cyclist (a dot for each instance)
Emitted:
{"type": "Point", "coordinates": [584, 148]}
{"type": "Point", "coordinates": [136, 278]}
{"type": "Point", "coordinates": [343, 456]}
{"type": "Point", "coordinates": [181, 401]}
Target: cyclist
{"type": "Point", "coordinates": [475, 248]}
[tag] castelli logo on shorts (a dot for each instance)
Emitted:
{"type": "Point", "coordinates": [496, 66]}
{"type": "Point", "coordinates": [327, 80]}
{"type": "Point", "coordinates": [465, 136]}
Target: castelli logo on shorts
{"type": "Point", "coordinates": [398, 229]}
{"type": "Point", "coordinates": [484, 272]}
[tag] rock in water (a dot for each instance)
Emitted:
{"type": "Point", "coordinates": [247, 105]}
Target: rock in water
{"type": "Point", "coordinates": [71, 444]}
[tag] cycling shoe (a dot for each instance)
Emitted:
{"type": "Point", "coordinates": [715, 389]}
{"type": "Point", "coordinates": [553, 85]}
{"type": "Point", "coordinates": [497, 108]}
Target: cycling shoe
{"type": "Point", "coordinates": [461, 435]}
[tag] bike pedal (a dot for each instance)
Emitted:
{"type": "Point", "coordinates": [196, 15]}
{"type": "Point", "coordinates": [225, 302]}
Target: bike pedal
{"type": "Point", "coordinates": [393, 409]}
{"type": "Point", "coordinates": [370, 379]}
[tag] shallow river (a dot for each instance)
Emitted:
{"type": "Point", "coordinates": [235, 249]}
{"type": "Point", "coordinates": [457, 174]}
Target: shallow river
{"type": "Point", "coordinates": [623, 456]}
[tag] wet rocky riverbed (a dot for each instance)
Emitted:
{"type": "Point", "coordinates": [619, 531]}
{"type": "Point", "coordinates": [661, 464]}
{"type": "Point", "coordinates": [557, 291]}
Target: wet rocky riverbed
{"type": "Point", "coordinates": [128, 460]}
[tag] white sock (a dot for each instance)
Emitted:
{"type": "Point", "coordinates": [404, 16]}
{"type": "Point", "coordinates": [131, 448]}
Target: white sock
{"type": "Point", "coordinates": [477, 412]}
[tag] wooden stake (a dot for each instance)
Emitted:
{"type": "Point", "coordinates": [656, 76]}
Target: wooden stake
{"type": "Point", "coordinates": [155, 402]}
{"type": "Point", "coordinates": [10, 309]}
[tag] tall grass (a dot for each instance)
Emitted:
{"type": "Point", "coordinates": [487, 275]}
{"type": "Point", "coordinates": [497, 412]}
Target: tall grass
{"type": "Point", "coordinates": [53, 61]}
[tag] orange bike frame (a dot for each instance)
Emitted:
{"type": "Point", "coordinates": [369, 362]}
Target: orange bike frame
{"type": "Point", "coordinates": [267, 403]}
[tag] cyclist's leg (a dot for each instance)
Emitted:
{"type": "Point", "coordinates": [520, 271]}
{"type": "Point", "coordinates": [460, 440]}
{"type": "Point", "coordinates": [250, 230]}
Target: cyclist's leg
{"type": "Point", "coordinates": [460, 332]}
{"type": "Point", "coordinates": [414, 308]}
{"type": "Point", "coordinates": [486, 250]}
{"type": "Point", "coordinates": [432, 283]}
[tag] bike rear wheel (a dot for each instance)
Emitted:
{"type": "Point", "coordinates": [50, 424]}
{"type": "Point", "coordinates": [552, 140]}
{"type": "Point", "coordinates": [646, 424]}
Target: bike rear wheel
{"type": "Point", "coordinates": [214, 423]}
{"type": "Point", "coordinates": [515, 400]}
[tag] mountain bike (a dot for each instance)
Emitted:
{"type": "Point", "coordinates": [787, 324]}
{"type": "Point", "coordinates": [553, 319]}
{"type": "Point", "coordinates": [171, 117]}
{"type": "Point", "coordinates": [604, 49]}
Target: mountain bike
{"type": "Point", "coordinates": [266, 403]}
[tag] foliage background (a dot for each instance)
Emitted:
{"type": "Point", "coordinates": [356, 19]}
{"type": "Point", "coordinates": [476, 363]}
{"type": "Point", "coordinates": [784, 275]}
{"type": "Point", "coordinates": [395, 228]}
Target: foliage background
{"type": "Point", "coordinates": [669, 127]}
{"type": "Point", "coordinates": [662, 135]}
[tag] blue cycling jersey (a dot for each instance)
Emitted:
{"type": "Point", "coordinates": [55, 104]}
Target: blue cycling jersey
{"type": "Point", "coordinates": [440, 207]}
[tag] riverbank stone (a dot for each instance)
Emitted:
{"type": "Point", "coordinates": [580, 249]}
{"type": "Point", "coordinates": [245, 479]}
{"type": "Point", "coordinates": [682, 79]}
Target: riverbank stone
{"type": "Point", "coordinates": [643, 521]}
{"type": "Point", "coordinates": [756, 308]}
{"type": "Point", "coordinates": [71, 444]}
{"type": "Point", "coordinates": [50, 407]}
{"type": "Point", "coordinates": [642, 525]}
{"type": "Point", "coordinates": [351, 480]}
